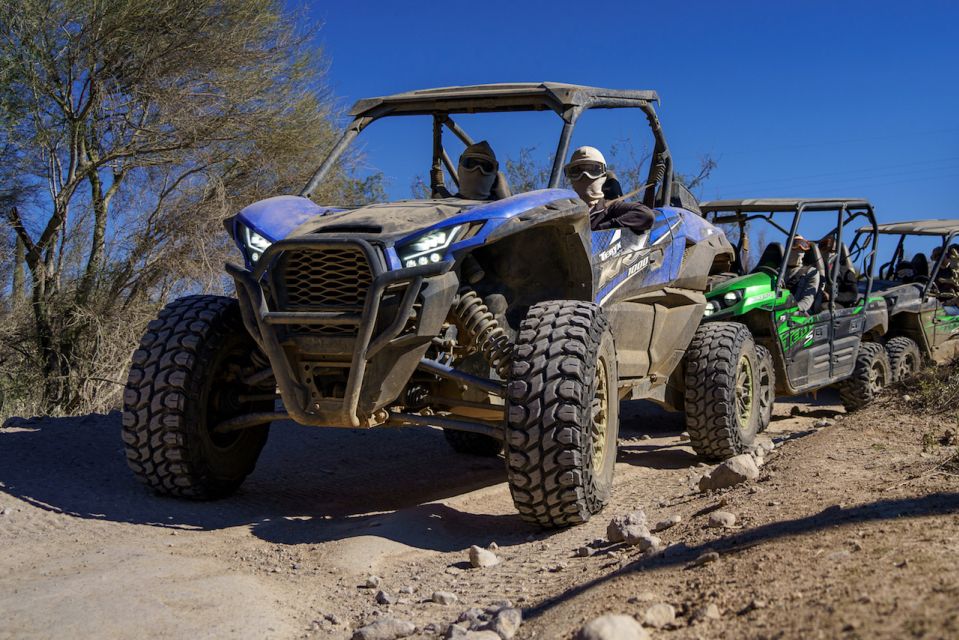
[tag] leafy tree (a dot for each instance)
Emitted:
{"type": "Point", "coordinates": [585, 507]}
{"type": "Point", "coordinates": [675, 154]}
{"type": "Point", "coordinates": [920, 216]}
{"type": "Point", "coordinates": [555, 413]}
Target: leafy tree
{"type": "Point", "coordinates": [128, 131]}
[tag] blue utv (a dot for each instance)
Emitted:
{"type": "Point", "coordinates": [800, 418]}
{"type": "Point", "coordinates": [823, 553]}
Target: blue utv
{"type": "Point", "coordinates": [507, 323]}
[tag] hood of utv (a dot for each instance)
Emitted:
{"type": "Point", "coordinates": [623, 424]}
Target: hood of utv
{"type": "Point", "coordinates": [388, 221]}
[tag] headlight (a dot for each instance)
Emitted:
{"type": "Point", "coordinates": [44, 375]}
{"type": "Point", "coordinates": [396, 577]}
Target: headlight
{"type": "Point", "coordinates": [428, 247]}
{"type": "Point", "coordinates": [732, 297]}
{"type": "Point", "coordinates": [253, 243]}
{"type": "Point", "coordinates": [711, 307]}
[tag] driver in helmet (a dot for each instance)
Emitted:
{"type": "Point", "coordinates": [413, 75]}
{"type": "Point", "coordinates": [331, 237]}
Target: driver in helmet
{"type": "Point", "coordinates": [476, 173]}
{"type": "Point", "coordinates": [802, 280]}
{"type": "Point", "coordinates": [587, 172]}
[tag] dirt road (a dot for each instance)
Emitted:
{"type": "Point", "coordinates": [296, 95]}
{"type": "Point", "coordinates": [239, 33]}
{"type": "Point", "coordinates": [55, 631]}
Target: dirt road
{"type": "Point", "coordinates": [837, 539]}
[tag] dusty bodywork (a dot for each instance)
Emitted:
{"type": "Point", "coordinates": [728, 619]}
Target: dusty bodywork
{"type": "Point", "coordinates": [501, 321]}
{"type": "Point", "coordinates": [923, 321]}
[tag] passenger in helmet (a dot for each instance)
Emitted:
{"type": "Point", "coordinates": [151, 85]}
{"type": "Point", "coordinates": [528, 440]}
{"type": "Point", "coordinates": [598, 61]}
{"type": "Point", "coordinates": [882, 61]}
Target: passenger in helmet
{"type": "Point", "coordinates": [476, 173]}
{"type": "Point", "coordinates": [587, 173]}
{"type": "Point", "coordinates": [802, 280]}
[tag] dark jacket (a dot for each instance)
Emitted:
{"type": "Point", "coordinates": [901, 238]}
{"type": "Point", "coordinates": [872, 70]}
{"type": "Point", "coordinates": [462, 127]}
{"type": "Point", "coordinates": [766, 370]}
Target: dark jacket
{"type": "Point", "coordinates": [618, 214]}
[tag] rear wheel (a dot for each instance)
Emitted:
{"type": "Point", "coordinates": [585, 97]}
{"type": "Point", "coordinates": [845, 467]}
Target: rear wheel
{"type": "Point", "coordinates": [723, 400]}
{"type": "Point", "coordinates": [474, 444]}
{"type": "Point", "coordinates": [185, 379]}
{"type": "Point", "coordinates": [870, 375]}
{"type": "Point", "coordinates": [562, 414]}
{"type": "Point", "coordinates": [766, 380]}
{"type": "Point", "coordinates": [904, 358]}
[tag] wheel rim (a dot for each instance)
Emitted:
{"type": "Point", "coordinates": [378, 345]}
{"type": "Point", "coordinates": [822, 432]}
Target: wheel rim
{"type": "Point", "coordinates": [877, 378]}
{"type": "Point", "coordinates": [744, 391]}
{"type": "Point", "coordinates": [765, 390]}
{"type": "Point", "coordinates": [600, 416]}
{"type": "Point", "coordinates": [907, 367]}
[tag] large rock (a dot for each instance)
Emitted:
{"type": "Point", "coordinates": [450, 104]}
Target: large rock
{"type": "Point", "coordinates": [612, 626]}
{"type": "Point", "coordinates": [481, 558]}
{"type": "Point", "coordinates": [385, 629]}
{"type": "Point", "coordinates": [444, 597]}
{"type": "Point", "coordinates": [737, 470]}
{"type": "Point", "coordinates": [618, 526]}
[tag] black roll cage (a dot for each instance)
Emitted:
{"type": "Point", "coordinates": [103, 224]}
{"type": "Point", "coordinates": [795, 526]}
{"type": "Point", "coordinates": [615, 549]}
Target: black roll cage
{"type": "Point", "coordinates": [899, 252]}
{"type": "Point", "coordinates": [764, 210]}
{"type": "Point", "coordinates": [566, 100]}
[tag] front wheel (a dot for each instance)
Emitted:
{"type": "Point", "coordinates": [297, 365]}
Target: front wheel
{"type": "Point", "coordinates": [562, 414]}
{"type": "Point", "coordinates": [185, 379]}
{"type": "Point", "coordinates": [724, 406]}
{"type": "Point", "coordinates": [870, 375]}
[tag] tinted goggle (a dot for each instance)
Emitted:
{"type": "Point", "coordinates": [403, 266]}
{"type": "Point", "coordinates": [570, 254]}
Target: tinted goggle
{"type": "Point", "coordinates": [486, 167]}
{"type": "Point", "coordinates": [801, 245]}
{"type": "Point", "coordinates": [591, 170]}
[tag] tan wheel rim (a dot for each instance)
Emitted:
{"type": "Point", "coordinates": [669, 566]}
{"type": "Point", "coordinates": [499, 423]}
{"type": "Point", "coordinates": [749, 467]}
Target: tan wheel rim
{"type": "Point", "coordinates": [599, 409]}
{"type": "Point", "coordinates": [744, 391]}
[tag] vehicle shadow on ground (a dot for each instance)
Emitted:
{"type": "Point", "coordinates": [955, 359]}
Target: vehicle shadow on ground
{"type": "Point", "coordinates": [310, 485]}
{"type": "Point", "coordinates": [641, 418]}
{"type": "Point", "coordinates": [683, 556]}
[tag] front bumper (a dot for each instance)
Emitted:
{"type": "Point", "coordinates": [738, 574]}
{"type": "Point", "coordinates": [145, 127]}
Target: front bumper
{"type": "Point", "coordinates": [369, 350]}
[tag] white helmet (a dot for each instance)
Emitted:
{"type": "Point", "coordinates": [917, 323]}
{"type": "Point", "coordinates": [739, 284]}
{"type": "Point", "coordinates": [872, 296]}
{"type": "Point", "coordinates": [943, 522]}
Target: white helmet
{"type": "Point", "coordinates": [587, 173]}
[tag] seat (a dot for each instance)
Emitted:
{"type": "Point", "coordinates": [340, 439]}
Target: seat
{"type": "Point", "coordinates": [920, 268]}
{"type": "Point", "coordinates": [612, 189]}
{"type": "Point", "coordinates": [500, 188]}
{"type": "Point", "coordinates": [813, 258]}
{"type": "Point", "coordinates": [848, 290]}
{"type": "Point", "coordinates": [771, 259]}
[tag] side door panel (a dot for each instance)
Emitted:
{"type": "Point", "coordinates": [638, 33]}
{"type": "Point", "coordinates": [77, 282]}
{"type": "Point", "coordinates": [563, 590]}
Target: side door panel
{"type": "Point", "coordinates": [847, 327]}
{"type": "Point", "coordinates": [805, 344]}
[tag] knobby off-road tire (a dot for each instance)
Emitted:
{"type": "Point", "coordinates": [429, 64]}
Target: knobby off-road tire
{"type": "Point", "coordinates": [766, 380]}
{"type": "Point", "coordinates": [184, 380]}
{"type": "Point", "coordinates": [871, 373]}
{"type": "Point", "coordinates": [904, 358]}
{"type": "Point", "coordinates": [474, 444]}
{"type": "Point", "coordinates": [562, 414]}
{"type": "Point", "coordinates": [722, 395]}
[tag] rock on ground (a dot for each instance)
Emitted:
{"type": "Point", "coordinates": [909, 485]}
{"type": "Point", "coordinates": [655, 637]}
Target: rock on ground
{"type": "Point", "coordinates": [668, 523]}
{"type": "Point", "coordinates": [708, 612]}
{"type": "Point", "coordinates": [722, 519]}
{"type": "Point", "coordinates": [506, 623]}
{"type": "Point", "coordinates": [616, 530]}
{"type": "Point", "coordinates": [736, 470]}
{"type": "Point", "coordinates": [612, 626]}
{"type": "Point", "coordinates": [444, 597]}
{"type": "Point", "coordinates": [482, 558]}
{"type": "Point", "coordinates": [659, 615]}
{"type": "Point", "coordinates": [386, 629]}
{"type": "Point", "coordinates": [383, 597]}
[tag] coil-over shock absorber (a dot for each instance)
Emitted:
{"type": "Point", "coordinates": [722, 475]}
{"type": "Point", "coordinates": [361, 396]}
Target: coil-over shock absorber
{"type": "Point", "coordinates": [483, 331]}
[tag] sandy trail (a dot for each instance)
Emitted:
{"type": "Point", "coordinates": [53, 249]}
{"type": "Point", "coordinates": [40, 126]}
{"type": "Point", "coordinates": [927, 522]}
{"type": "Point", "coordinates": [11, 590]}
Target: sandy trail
{"type": "Point", "coordinates": [89, 553]}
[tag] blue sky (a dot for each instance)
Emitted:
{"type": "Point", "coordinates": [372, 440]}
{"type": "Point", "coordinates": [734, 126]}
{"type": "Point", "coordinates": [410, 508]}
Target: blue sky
{"type": "Point", "coordinates": [791, 99]}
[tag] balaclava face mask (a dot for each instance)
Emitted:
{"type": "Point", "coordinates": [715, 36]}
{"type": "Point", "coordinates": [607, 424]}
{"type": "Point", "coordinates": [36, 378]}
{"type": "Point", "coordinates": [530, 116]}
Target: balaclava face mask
{"type": "Point", "coordinates": [588, 185]}
{"type": "Point", "coordinates": [795, 259]}
{"type": "Point", "coordinates": [589, 189]}
{"type": "Point", "coordinates": [477, 171]}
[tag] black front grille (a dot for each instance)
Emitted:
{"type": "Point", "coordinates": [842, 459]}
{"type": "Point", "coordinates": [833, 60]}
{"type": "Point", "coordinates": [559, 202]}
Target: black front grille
{"type": "Point", "coordinates": [337, 277]}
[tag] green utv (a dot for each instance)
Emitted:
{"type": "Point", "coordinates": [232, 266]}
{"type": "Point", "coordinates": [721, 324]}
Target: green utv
{"type": "Point", "coordinates": [920, 294]}
{"type": "Point", "coordinates": [837, 340]}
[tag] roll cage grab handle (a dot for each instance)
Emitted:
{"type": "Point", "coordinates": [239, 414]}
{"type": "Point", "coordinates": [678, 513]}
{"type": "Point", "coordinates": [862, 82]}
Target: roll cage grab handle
{"type": "Point", "coordinates": [660, 168]}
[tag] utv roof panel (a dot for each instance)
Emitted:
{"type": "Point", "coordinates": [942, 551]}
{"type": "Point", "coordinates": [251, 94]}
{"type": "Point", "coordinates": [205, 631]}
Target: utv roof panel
{"type": "Point", "coordinates": [520, 96]}
{"type": "Point", "coordinates": [941, 227]}
{"type": "Point", "coordinates": [765, 205]}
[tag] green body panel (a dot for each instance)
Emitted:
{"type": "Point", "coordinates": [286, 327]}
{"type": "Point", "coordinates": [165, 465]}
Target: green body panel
{"type": "Point", "coordinates": [757, 291]}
